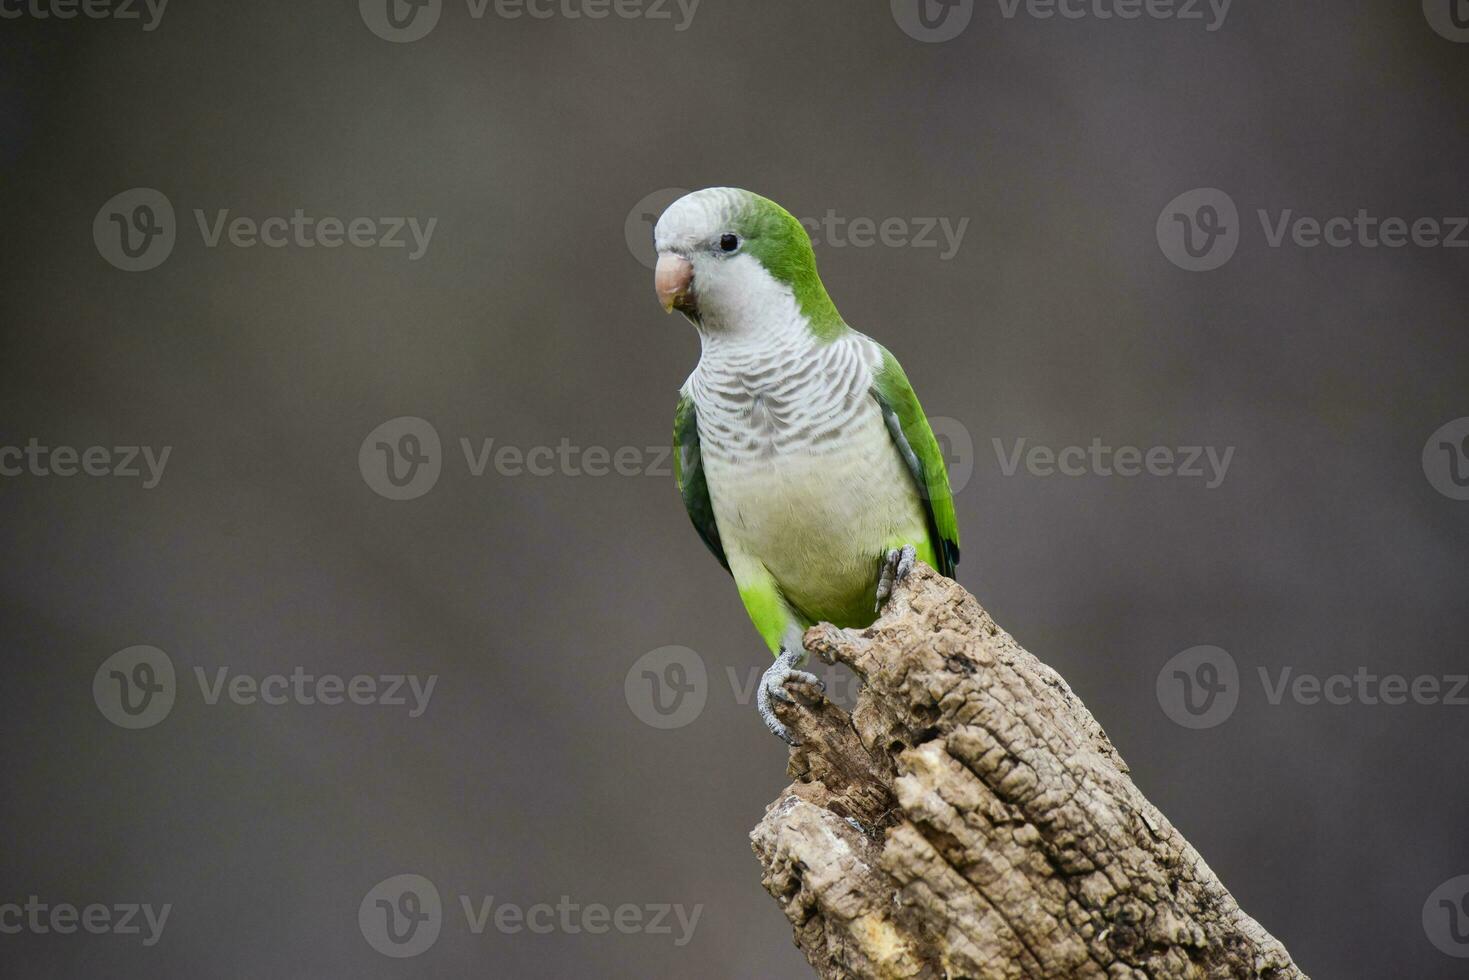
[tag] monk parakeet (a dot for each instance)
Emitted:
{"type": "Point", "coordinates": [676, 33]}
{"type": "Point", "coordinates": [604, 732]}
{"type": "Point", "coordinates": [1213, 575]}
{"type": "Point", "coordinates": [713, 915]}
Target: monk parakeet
{"type": "Point", "coordinates": [801, 452]}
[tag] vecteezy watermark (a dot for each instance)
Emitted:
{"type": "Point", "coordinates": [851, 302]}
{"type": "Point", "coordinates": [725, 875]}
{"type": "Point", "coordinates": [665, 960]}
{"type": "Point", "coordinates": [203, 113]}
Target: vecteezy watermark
{"type": "Point", "coordinates": [127, 462]}
{"type": "Point", "coordinates": [1448, 18]}
{"type": "Point", "coordinates": [147, 12]}
{"type": "Point", "coordinates": [669, 687]}
{"type": "Point", "coordinates": [1206, 463]}
{"type": "Point", "coordinates": [1446, 917]}
{"type": "Point", "coordinates": [1446, 459]}
{"type": "Point", "coordinates": [1200, 687]}
{"type": "Point", "coordinates": [956, 446]}
{"type": "Point", "coordinates": [299, 687]}
{"type": "Point", "coordinates": [637, 227]}
{"type": "Point", "coordinates": [402, 458]}
{"type": "Point", "coordinates": [1211, 13]}
{"type": "Point", "coordinates": [402, 916]}
{"type": "Point", "coordinates": [117, 919]}
{"type": "Point", "coordinates": [833, 230]}
{"type": "Point", "coordinates": [136, 230]}
{"type": "Point", "coordinates": [1200, 229]}
{"type": "Point", "coordinates": [402, 21]}
{"type": "Point", "coordinates": [932, 21]}
{"type": "Point", "coordinates": [136, 688]}
{"type": "Point", "coordinates": [935, 21]}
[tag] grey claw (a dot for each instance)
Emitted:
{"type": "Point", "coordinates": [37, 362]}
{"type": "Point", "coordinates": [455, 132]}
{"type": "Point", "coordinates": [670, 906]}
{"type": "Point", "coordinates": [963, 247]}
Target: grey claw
{"type": "Point", "coordinates": [806, 678]}
{"type": "Point", "coordinates": [905, 561]}
{"type": "Point", "coordinates": [896, 566]}
{"type": "Point", "coordinates": [767, 715]}
{"type": "Point", "coordinates": [773, 686]}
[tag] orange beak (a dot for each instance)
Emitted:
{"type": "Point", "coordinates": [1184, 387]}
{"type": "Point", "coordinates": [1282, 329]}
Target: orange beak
{"type": "Point", "coordinates": [672, 279]}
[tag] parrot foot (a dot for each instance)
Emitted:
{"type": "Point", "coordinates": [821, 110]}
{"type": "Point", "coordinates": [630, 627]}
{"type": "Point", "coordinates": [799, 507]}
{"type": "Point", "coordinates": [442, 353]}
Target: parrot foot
{"type": "Point", "coordinates": [895, 568]}
{"type": "Point", "coordinates": [785, 669]}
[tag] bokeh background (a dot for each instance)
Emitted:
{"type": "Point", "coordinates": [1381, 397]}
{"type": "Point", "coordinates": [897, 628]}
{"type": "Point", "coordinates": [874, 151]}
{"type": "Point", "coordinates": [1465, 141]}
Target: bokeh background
{"type": "Point", "coordinates": [531, 321]}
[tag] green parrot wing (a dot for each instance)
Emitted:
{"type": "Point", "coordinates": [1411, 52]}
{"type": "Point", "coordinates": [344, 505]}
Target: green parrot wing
{"type": "Point", "coordinates": [915, 441]}
{"type": "Point", "coordinates": [688, 472]}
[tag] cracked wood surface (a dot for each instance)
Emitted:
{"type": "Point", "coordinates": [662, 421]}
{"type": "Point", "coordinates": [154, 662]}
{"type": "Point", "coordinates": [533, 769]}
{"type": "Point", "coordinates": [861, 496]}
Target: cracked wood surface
{"type": "Point", "coordinates": [970, 818]}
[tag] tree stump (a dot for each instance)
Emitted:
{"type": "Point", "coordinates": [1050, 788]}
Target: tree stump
{"type": "Point", "coordinates": [970, 818]}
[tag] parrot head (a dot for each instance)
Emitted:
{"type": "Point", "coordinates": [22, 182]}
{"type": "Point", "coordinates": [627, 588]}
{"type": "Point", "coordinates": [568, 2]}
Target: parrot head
{"type": "Point", "coordinates": [729, 259]}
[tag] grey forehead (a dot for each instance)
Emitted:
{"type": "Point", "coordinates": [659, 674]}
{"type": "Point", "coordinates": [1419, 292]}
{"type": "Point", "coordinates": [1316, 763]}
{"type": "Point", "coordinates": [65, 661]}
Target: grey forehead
{"type": "Point", "coordinates": [696, 217]}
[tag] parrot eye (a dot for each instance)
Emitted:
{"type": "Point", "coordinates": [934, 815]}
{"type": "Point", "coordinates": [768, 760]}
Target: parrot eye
{"type": "Point", "coordinates": [728, 242]}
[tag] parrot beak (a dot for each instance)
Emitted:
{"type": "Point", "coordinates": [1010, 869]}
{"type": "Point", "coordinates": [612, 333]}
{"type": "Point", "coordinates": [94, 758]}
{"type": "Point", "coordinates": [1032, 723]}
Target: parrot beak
{"type": "Point", "coordinates": [672, 280]}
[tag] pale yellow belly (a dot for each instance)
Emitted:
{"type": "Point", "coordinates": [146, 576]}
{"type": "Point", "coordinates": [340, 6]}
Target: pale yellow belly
{"type": "Point", "coordinates": [820, 524]}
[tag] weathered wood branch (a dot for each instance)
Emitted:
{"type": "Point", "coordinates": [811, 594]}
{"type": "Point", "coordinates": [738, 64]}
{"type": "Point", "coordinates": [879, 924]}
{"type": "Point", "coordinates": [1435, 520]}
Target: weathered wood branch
{"type": "Point", "coordinates": [970, 818]}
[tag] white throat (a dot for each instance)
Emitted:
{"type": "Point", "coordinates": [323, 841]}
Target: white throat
{"type": "Point", "coordinates": [745, 312]}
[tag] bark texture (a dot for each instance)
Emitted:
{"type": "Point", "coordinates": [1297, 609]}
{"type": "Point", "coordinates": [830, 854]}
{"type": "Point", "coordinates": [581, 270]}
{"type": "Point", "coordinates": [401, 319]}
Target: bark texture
{"type": "Point", "coordinates": [970, 818]}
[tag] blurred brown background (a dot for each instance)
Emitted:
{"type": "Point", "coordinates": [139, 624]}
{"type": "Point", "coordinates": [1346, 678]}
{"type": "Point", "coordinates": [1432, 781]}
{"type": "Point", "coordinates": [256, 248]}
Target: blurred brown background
{"type": "Point", "coordinates": [530, 321]}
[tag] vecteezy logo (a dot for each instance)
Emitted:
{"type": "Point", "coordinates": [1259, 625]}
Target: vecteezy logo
{"type": "Point", "coordinates": [1448, 18]}
{"type": "Point", "coordinates": [1446, 459]}
{"type": "Point", "coordinates": [401, 459]}
{"type": "Point", "coordinates": [135, 230]}
{"type": "Point", "coordinates": [667, 687]}
{"type": "Point", "coordinates": [1199, 229]}
{"type": "Point", "coordinates": [400, 21]}
{"type": "Point", "coordinates": [1199, 687]}
{"type": "Point", "coordinates": [932, 21]}
{"type": "Point", "coordinates": [638, 228]}
{"type": "Point", "coordinates": [1446, 917]}
{"type": "Point", "coordinates": [134, 688]}
{"type": "Point", "coordinates": [401, 916]}
{"type": "Point", "coordinates": [957, 447]}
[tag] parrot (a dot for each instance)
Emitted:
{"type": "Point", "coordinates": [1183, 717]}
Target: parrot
{"type": "Point", "coordinates": [802, 455]}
